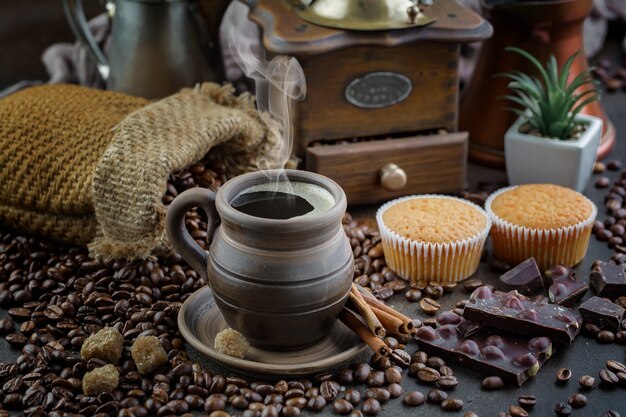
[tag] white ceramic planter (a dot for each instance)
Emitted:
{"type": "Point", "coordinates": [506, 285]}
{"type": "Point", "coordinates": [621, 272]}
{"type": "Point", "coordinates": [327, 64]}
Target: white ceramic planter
{"type": "Point", "coordinates": [531, 159]}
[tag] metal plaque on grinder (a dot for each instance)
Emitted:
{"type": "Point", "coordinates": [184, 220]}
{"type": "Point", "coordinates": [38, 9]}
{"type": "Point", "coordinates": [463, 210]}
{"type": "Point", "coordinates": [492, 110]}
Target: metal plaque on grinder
{"type": "Point", "coordinates": [365, 14]}
{"type": "Point", "coordinates": [377, 90]}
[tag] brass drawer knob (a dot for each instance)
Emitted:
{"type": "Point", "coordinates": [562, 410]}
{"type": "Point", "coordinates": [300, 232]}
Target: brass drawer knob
{"type": "Point", "coordinates": [392, 177]}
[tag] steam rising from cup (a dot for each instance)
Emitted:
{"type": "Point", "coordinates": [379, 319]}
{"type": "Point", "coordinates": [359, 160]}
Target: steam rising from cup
{"type": "Point", "coordinates": [278, 83]}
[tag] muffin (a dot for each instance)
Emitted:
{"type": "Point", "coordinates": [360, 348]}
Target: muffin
{"type": "Point", "coordinates": [545, 221]}
{"type": "Point", "coordinates": [432, 238]}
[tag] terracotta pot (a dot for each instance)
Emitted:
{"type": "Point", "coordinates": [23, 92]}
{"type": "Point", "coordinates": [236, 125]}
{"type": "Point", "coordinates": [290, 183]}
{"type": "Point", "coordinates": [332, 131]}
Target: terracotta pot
{"type": "Point", "coordinates": [281, 283]}
{"type": "Point", "coordinates": [542, 28]}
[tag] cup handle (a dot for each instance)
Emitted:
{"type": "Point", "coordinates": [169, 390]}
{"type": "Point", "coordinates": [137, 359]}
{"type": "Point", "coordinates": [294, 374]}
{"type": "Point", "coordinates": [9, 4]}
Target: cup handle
{"type": "Point", "coordinates": [177, 232]}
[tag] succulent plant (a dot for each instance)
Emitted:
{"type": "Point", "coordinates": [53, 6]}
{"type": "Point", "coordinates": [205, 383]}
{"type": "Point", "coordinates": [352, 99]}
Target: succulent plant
{"type": "Point", "coordinates": [549, 103]}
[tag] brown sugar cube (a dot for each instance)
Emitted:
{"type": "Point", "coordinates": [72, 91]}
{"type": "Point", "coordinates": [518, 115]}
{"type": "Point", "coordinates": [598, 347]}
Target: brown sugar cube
{"type": "Point", "coordinates": [105, 345]}
{"type": "Point", "coordinates": [100, 380]}
{"type": "Point", "coordinates": [148, 354]}
{"type": "Point", "coordinates": [232, 343]}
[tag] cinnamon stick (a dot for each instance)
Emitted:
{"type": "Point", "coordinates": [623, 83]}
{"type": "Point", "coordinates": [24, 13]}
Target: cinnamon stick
{"type": "Point", "coordinates": [389, 321]}
{"type": "Point", "coordinates": [351, 320]}
{"type": "Point", "coordinates": [407, 323]}
{"type": "Point", "coordinates": [366, 312]}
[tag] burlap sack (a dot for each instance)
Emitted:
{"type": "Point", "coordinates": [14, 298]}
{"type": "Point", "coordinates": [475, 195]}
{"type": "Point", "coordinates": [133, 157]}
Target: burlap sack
{"type": "Point", "coordinates": [90, 167]}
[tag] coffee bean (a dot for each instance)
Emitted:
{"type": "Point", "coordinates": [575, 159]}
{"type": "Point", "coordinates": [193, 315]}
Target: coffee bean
{"type": "Point", "coordinates": [563, 374]}
{"type": "Point", "coordinates": [299, 402]}
{"type": "Point", "coordinates": [492, 383]}
{"type": "Point", "coordinates": [395, 390]}
{"type": "Point", "coordinates": [393, 375]}
{"type": "Point", "coordinates": [380, 394]}
{"type": "Point", "coordinates": [294, 392]}
{"type": "Point", "coordinates": [436, 396]}
{"type": "Point", "coordinates": [290, 412]}
{"type": "Point", "coordinates": [419, 357]}
{"type": "Point", "coordinates": [429, 375]}
{"type": "Point", "coordinates": [435, 362]}
{"type": "Point", "coordinates": [434, 291]}
{"type": "Point", "coordinates": [330, 389]}
{"type": "Point", "coordinates": [380, 362]}
{"type": "Point", "coordinates": [527, 401]}
{"type": "Point", "coordinates": [353, 396]}
{"type": "Point", "coordinates": [414, 398]}
{"type": "Point", "coordinates": [599, 167]}
{"type": "Point", "coordinates": [376, 379]}
{"type": "Point", "coordinates": [603, 182]}
{"type": "Point", "coordinates": [615, 366]}
{"type": "Point", "coordinates": [610, 413]}
{"type": "Point", "coordinates": [563, 409]}
{"type": "Point", "coordinates": [269, 411]}
{"type": "Point", "coordinates": [356, 413]}
{"type": "Point", "coordinates": [470, 285]}
{"type": "Point", "coordinates": [371, 407]}
{"type": "Point", "coordinates": [342, 407]}
{"type": "Point", "coordinates": [577, 400]}
{"type": "Point", "coordinates": [429, 306]}
{"type": "Point", "coordinates": [361, 373]}
{"type": "Point", "coordinates": [413, 295]}
{"type": "Point", "coordinates": [590, 329]}
{"type": "Point", "coordinates": [517, 411]}
{"type": "Point", "coordinates": [400, 358]}
{"type": "Point", "coordinates": [316, 403]}
{"type": "Point", "coordinates": [470, 414]}
{"type": "Point", "coordinates": [608, 378]}
{"type": "Point", "coordinates": [452, 404]}
{"type": "Point", "coordinates": [614, 165]}
{"type": "Point", "coordinates": [449, 287]}
{"type": "Point", "coordinates": [345, 376]}
{"type": "Point", "coordinates": [16, 339]}
{"type": "Point", "coordinates": [605, 336]}
{"type": "Point", "coordinates": [447, 382]}
{"type": "Point", "coordinates": [586, 381]}
{"type": "Point", "coordinates": [6, 326]}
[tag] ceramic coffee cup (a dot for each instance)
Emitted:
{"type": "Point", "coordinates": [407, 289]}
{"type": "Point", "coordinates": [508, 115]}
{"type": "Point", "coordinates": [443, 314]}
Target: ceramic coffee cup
{"type": "Point", "coordinates": [280, 282]}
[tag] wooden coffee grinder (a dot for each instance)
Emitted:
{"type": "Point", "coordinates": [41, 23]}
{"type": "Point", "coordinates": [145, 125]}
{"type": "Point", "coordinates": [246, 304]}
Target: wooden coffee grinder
{"type": "Point", "coordinates": [380, 115]}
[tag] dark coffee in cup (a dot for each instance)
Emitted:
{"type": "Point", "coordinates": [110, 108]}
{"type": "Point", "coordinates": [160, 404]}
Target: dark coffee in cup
{"type": "Point", "coordinates": [283, 200]}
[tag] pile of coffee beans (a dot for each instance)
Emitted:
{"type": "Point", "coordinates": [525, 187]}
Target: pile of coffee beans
{"type": "Point", "coordinates": [613, 231]}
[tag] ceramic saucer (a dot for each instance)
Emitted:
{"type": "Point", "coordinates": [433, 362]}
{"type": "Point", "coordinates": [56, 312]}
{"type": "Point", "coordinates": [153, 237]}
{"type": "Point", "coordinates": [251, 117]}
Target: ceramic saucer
{"type": "Point", "coordinates": [200, 320]}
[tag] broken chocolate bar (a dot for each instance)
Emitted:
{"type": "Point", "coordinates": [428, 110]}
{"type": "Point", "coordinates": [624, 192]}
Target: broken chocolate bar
{"type": "Point", "coordinates": [513, 358]}
{"type": "Point", "coordinates": [525, 278]}
{"type": "Point", "coordinates": [602, 312]}
{"type": "Point", "coordinates": [608, 279]}
{"type": "Point", "coordinates": [565, 288]}
{"type": "Point", "coordinates": [515, 313]}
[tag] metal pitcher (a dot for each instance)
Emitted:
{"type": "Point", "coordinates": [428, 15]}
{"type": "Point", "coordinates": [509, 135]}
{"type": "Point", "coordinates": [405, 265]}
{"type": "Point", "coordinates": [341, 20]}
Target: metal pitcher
{"type": "Point", "coordinates": [155, 48]}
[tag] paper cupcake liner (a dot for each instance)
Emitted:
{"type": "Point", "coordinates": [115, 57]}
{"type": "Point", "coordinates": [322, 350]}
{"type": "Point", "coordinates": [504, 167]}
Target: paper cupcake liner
{"type": "Point", "coordinates": [423, 262]}
{"type": "Point", "coordinates": [550, 247]}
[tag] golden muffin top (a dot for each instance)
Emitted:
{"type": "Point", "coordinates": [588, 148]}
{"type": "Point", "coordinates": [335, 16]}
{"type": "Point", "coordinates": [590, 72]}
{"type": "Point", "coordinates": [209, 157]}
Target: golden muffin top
{"type": "Point", "coordinates": [542, 206]}
{"type": "Point", "coordinates": [434, 219]}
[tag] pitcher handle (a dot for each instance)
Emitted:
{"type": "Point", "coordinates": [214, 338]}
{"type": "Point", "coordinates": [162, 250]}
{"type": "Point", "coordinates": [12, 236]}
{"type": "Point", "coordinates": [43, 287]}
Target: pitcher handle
{"type": "Point", "coordinates": [78, 22]}
{"type": "Point", "coordinates": [177, 232]}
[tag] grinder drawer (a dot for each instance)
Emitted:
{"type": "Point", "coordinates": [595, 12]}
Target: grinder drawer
{"type": "Point", "coordinates": [379, 170]}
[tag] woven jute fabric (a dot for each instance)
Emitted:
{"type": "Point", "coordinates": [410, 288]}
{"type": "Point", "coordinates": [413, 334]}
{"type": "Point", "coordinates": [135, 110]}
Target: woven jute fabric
{"type": "Point", "coordinates": [90, 167]}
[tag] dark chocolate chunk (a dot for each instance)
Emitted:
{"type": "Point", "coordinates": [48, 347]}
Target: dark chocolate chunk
{"type": "Point", "coordinates": [608, 279]}
{"type": "Point", "coordinates": [525, 278]}
{"type": "Point", "coordinates": [565, 288]}
{"type": "Point", "coordinates": [468, 328]}
{"type": "Point", "coordinates": [602, 312]}
{"type": "Point", "coordinates": [513, 358]}
{"type": "Point", "coordinates": [515, 313]}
